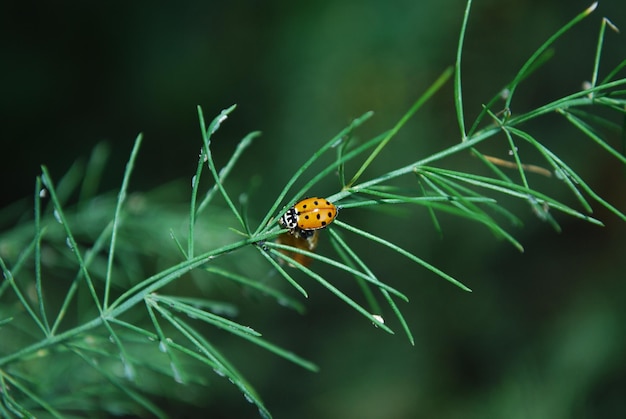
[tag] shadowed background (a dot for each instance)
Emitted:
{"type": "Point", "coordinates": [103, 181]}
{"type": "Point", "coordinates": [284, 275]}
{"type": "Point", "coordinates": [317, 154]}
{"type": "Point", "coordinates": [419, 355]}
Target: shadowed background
{"type": "Point", "coordinates": [542, 334]}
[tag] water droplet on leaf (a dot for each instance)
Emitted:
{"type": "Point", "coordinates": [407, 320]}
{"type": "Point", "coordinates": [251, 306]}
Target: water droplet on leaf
{"type": "Point", "coordinates": [177, 377]}
{"type": "Point", "coordinates": [129, 371]}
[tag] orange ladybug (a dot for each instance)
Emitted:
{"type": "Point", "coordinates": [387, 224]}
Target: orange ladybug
{"type": "Point", "coordinates": [308, 215]}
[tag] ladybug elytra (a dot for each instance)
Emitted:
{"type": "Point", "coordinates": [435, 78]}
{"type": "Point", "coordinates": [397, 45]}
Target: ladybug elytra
{"type": "Point", "coordinates": [308, 215]}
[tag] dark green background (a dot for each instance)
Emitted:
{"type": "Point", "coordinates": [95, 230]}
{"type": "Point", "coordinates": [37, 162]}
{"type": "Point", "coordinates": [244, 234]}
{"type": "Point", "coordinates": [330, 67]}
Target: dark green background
{"type": "Point", "coordinates": [542, 335]}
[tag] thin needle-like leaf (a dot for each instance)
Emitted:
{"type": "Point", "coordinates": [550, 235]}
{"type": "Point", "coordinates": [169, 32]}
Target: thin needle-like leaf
{"type": "Point", "coordinates": [528, 65]}
{"type": "Point", "coordinates": [351, 259]}
{"type": "Point", "coordinates": [132, 394]}
{"type": "Point", "coordinates": [343, 245]}
{"type": "Point", "coordinates": [8, 276]}
{"type": "Point", "coordinates": [9, 387]}
{"type": "Point", "coordinates": [195, 183]}
{"type": "Point", "coordinates": [513, 190]}
{"type": "Point", "coordinates": [590, 132]}
{"type": "Point", "coordinates": [434, 88]}
{"type": "Point", "coordinates": [338, 265]}
{"type": "Point", "coordinates": [458, 90]}
{"type": "Point", "coordinates": [215, 359]}
{"type": "Point", "coordinates": [38, 237]}
{"type": "Point", "coordinates": [284, 274]}
{"type": "Point", "coordinates": [402, 252]}
{"type": "Point", "coordinates": [282, 298]}
{"type": "Point", "coordinates": [71, 241]}
{"type": "Point", "coordinates": [206, 138]}
{"type": "Point", "coordinates": [333, 289]}
{"type": "Point", "coordinates": [331, 143]}
{"type": "Point", "coordinates": [222, 175]}
{"type": "Point", "coordinates": [121, 198]}
{"type": "Point", "coordinates": [129, 369]}
{"type": "Point", "coordinates": [561, 169]}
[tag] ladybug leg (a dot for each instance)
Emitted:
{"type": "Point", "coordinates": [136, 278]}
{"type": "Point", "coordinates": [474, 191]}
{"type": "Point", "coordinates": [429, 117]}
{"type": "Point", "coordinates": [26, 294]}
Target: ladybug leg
{"type": "Point", "coordinates": [305, 234]}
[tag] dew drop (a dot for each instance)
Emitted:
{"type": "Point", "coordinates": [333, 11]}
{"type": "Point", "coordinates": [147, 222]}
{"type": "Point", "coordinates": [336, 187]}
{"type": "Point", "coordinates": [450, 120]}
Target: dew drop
{"type": "Point", "coordinates": [248, 398]}
{"type": "Point", "coordinates": [162, 347]}
{"type": "Point", "coordinates": [129, 371]}
{"type": "Point", "coordinates": [219, 372]}
{"type": "Point", "coordinates": [249, 330]}
{"type": "Point", "coordinates": [379, 320]}
{"type": "Point", "coordinates": [43, 193]}
{"type": "Point", "coordinates": [57, 216]}
{"type": "Point", "coordinates": [177, 377]}
{"type": "Point", "coordinates": [339, 141]}
{"type": "Point", "coordinates": [68, 242]}
{"type": "Point", "coordinates": [264, 414]}
{"type": "Point", "coordinates": [559, 174]}
{"type": "Point", "coordinates": [511, 152]}
{"type": "Point", "coordinates": [218, 122]}
{"type": "Point", "coordinates": [193, 181]}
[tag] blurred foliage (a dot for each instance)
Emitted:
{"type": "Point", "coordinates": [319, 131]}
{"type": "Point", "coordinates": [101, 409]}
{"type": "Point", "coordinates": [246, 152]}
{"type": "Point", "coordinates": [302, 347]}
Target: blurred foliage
{"type": "Point", "coordinates": [542, 334]}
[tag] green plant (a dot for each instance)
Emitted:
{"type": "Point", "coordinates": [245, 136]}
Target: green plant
{"type": "Point", "coordinates": [91, 259]}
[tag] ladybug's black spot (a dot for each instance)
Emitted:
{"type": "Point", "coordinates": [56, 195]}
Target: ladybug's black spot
{"type": "Point", "coordinates": [318, 216]}
{"type": "Point", "coordinates": [306, 217]}
{"type": "Point", "coordinates": [323, 223]}
{"type": "Point", "coordinates": [330, 214]}
{"type": "Point", "coordinates": [316, 203]}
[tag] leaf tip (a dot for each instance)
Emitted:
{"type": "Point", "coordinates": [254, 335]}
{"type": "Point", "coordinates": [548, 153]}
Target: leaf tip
{"type": "Point", "coordinates": [591, 8]}
{"type": "Point", "coordinates": [611, 25]}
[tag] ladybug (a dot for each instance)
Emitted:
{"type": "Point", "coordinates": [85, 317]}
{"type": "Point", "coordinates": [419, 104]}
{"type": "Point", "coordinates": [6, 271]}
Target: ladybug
{"type": "Point", "coordinates": [308, 215]}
